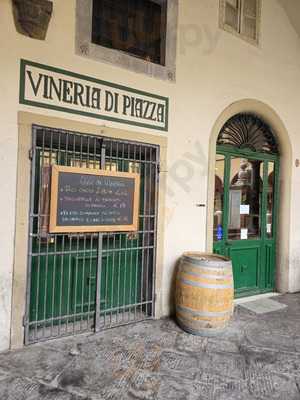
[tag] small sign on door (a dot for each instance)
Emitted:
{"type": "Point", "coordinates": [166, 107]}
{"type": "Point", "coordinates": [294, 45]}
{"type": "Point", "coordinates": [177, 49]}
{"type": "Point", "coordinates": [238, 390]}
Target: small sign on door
{"type": "Point", "coordinates": [244, 209]}
{"type": "Point", "coordinates": [244, 234]}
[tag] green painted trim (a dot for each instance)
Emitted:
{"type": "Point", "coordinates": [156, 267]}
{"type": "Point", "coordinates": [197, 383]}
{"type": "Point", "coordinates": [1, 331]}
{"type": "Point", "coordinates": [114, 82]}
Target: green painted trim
{"type": "Point", "coordinates": [91, 79]}
{"type": "Point", "coordinates": [22, 82]}
{"type": "Point", "coordinates": [275, 215]}
{"type": "Point", "coordinates": [252, 292]}
{"type": "Point", "coordinates": [263, 221]}
{"type": "Point", "coordinates": [264, 199]}
{"type": "Point", "coordinates": [167, 114]}
{"type": "Point", "coordinates": [229, 150]}
{"type": "Point", "coordinates": [225, 213]}
{"type": "Point", "coordinates": [85, 114]}
{"type": "Point", "coordinates": [22, 100]}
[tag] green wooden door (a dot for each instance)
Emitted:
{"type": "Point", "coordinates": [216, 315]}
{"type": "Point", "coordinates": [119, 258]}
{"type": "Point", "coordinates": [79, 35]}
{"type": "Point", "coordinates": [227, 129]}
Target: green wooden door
{"type": "Point", "coordinates": [63, 282]}
{"type": "Point", "coordinates": [245, 209]}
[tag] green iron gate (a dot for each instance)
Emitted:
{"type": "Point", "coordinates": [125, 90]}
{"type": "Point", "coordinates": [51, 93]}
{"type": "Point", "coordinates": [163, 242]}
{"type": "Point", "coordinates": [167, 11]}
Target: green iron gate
{"type": "Point", "coordinates": [88, 282]}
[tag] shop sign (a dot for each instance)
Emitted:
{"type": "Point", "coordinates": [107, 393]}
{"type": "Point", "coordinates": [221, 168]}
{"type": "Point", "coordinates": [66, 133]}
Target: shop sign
{"type": "Point", "coordinates": [89, 200]}
{"type": "Point", "coordinates": [57, 89]}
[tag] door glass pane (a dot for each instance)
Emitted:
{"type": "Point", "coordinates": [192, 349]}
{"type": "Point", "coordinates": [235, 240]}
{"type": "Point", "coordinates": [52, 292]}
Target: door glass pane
{"type": "Point", "coordinates": [270, 200]}
{"type": "Point", "coordinates": [219, 197]}
{"type": "Point", "coordinates": [245, 193]}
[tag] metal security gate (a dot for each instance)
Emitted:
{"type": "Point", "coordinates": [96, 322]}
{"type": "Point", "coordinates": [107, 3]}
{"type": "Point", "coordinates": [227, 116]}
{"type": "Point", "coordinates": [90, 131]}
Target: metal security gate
{"type": "Point", "coordinates": [87, 282]}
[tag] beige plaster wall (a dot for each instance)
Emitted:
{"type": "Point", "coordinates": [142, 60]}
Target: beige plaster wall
{"type": "Point", "coordinates": [214, 70]}
{"type": "Point", "coordinates": [208, 83]}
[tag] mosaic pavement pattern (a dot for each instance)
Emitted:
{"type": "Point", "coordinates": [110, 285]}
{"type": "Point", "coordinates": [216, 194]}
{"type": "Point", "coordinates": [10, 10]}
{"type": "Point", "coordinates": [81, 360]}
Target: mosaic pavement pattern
{"type": "Point", "coordinates": [257, 357]}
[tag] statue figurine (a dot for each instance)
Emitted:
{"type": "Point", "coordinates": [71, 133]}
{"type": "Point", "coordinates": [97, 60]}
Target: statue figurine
{"type": "Point", "coordinates": [244, 174]}
{"type": "Point", "coordinates": [32, 17]}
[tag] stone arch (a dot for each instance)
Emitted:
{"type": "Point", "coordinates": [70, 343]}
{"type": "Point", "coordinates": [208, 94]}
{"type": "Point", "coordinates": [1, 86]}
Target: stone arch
{"type": "Point", "coordinates": [270, 117]}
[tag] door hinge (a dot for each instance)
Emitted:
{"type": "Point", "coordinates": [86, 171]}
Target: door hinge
{"type": "Point", "coordinates": [158, 168]}
{"type": "Point", "coordinates": [30, 154]}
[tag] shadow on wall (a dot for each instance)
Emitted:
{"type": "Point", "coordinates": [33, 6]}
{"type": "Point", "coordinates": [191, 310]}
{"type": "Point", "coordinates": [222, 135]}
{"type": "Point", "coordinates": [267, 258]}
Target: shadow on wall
{"type": "Point", "coordinates": [172, 293]}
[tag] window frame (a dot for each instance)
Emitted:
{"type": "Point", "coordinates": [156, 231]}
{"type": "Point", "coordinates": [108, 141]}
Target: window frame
{"type": "Point", "coordinates": [85, 48]}
{"type": "Point", "coordinates": [162, 32]}
{"type": "Point", "coordinates": [239, 32]}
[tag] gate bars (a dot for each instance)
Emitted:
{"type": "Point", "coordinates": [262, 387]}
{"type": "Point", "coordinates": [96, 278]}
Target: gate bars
{"type": "Point", "coordinates": [88, 282]}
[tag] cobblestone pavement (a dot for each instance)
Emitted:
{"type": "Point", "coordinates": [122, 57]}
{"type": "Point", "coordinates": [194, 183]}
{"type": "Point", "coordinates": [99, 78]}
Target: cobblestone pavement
{"type": "Point", "coordinates": [257, 357]}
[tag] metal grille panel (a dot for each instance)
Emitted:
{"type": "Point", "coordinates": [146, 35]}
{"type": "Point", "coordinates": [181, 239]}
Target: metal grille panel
{"type": "Point", "coordinates": [87, 282]}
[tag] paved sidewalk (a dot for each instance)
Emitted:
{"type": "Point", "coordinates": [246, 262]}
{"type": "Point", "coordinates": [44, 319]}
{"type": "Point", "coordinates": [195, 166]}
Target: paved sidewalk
{"type": "Point", "coordinates": [258, 357]}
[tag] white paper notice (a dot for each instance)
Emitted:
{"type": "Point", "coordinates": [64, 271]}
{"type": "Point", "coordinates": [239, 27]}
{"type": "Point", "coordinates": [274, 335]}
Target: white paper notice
{"type": "Point", "coordinates": [244, 209]}
{"type": "Point", "coordinates": [244, 234]}
{"type": "Point", "coordinates": [269, 228]}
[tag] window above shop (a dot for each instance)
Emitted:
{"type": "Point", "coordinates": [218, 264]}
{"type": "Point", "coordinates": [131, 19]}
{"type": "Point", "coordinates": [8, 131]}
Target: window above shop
{"type": "Point", "coordinates": [132, 34]}
{"type": "Point", "coordinates": [137, 27]}
{"type": "Point", "coordinates": [242, 18]}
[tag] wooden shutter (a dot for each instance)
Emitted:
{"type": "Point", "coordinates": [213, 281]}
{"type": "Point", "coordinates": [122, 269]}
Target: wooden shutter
{"type": "Point", "coordinates": [231, 14]}
{"type": "Point", "coordinates": [249, 20]}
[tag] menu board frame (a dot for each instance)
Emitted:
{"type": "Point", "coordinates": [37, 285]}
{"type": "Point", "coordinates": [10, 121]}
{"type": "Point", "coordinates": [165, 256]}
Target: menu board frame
{"type": "Point", "coordinates": [53, 224]}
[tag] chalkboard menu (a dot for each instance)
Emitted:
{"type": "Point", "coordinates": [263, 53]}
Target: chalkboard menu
{"type": "Point", "coordinates": [89, 200]}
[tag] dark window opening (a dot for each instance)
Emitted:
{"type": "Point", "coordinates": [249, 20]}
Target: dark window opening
{"type": "Point", "coordinates": [137, 27]}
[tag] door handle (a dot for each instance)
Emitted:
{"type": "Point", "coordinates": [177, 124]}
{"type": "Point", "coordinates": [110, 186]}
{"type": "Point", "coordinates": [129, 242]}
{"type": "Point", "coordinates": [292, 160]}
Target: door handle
{"type": "Point", "coordinates": [244, 267]}
{"type": "Point", "coordinates": [91, 280]}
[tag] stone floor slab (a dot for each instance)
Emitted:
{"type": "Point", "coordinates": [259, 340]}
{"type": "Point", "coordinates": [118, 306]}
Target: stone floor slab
{"type": "Point", "coordinates": [263, 306]}
{"type": "Point", "coordinates": [256, 358]}
{"type": "Point", "coordinates": [36, 361]}
{"type": "Point", "coordinates": [19, 388]}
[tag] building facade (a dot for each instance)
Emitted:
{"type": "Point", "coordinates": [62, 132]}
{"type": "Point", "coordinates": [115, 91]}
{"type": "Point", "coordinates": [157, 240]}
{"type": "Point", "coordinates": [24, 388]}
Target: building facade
{"type": "Point", "coordinates": [156, 105]}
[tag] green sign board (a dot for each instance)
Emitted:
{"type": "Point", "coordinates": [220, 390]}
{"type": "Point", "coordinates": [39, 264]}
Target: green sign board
{"type": "Point", "coordinates": [57, 89]}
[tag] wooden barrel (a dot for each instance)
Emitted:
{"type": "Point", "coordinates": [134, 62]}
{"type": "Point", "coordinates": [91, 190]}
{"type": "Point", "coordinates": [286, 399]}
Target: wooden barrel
{"type": "Point", "coordinates": [204, 293]}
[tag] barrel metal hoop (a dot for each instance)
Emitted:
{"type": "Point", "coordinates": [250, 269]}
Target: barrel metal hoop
{"type": "Point", "coordinates": [205, 263]}
{"type": "Point", "coordinates": [203, 276]}
{"type": "Point", "coordinates": [199, 269]}
{"type": "Point", "coordinates": [203, 313]}
{"type": "Point", "coordinates": [205, 286]}
{"type": "Point", "coordinates": [200, 332]}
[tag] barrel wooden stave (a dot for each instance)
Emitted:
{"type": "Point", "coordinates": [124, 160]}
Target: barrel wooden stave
{"type": "Point", "coordinates": [204, 293]}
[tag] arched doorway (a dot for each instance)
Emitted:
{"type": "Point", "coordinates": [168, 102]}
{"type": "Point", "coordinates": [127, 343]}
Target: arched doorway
{"type": "Point", "coordinates": [246, 201]}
